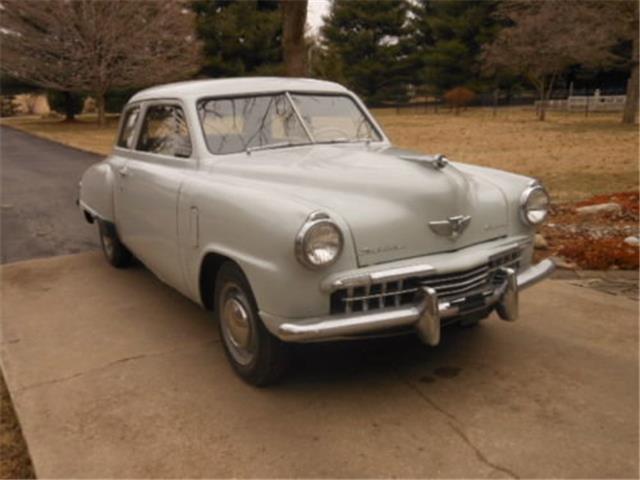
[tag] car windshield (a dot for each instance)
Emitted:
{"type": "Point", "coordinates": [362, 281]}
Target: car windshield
{"type": "Point", "coordinates": [334, 118]}
{"type": "Point", "coordinates": [233, 125]}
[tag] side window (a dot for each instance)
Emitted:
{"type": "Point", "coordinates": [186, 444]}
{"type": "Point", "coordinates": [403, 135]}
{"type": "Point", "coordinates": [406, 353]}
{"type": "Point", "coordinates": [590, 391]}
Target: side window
{"type": "Point", "coordinates": [128, 130]}
{"type": "Point", "coordinates": [164, 131]}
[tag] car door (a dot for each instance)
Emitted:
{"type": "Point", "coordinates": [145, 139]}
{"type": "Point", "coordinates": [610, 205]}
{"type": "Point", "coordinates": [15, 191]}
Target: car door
{"type": "Point", "coordinates": [150, 180]}
{"type": "Point", "coordinates": [125, 144]}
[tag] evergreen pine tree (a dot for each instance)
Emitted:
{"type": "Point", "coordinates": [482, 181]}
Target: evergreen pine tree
{"type": "Point", "coordinates": [368, 40]}
{"type": "Point", "coordinates": [447, 41]}
{"type": "Point", "coordinates": [240, 37]}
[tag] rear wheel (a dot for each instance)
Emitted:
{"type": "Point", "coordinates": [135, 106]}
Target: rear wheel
{"type": "Point", "coordinates": [114, 251]}
{"type": "Point", "coordinates": [256, 355]}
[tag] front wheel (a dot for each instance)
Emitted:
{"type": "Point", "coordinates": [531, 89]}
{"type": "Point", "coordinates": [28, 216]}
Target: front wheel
{"type": "Point", "coordinates": [114, 251]}
{"type": "Point", "coordinates": [256, 355]}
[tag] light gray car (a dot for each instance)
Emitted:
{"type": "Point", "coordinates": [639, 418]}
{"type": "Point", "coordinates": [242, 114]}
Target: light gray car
{"type": "Point", "coordinates": [281, 205]}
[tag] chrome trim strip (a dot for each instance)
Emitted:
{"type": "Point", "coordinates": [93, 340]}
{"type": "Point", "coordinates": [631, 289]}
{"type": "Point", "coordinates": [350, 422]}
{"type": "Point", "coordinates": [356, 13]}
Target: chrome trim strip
{"type": "Point", "coordinates": [459, 291]}
{"type": "Point", "coordinates": [445, 283]}
{"type": "Point", "coordinates": [366, 279]}
{"type": "Point", "coordinates": [401, 272]}
{"type": "Point", "coordinates": [354, 279]}
{"type": "Point", "coordinates": [381, 295]}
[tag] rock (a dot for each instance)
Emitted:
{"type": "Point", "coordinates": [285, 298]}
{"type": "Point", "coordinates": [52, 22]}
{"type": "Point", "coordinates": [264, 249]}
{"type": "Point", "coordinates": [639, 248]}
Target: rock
{"type": "Point", "coordinates": [564, 263]}
{"type": "Point", "coordinates": [539, 242]}
{"type": "Point", "coordinates": [633, 241]}
{"type": "Point", "coordinates": [590, 210]}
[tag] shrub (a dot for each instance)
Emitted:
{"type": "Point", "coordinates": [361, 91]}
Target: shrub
{"type": "Point", "coordinates": [67, 103]}
{"type": "Point", "coordinates": [459, 97]}
{"type": "Point", "coordinates": [116, 100]}
{"type": "Point", "coordinates": [7, 106]}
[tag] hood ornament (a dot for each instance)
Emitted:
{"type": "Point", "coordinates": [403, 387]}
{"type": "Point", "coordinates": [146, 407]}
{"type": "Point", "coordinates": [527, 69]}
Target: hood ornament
{"type": "Point", "coordinates": [437, 161]}
{"type": "Point", "coordinates": [452, 227]}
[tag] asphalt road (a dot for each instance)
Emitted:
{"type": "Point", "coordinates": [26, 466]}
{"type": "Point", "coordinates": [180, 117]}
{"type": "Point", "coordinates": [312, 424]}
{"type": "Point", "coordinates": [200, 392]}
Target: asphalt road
{"type": "Point", "coordinates": [39, 217]}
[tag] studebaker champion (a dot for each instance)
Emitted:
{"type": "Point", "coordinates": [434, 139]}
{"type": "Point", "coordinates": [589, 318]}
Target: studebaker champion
{"type": "Point", "coordinates": [281, 205]}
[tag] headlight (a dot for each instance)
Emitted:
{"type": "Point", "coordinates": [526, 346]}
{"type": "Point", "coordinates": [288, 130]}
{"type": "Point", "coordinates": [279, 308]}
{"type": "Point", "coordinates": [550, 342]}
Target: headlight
{"type": "Point", "coordinates": [534, 204]}
{"type": "Point", "coordinates": [319, 241]}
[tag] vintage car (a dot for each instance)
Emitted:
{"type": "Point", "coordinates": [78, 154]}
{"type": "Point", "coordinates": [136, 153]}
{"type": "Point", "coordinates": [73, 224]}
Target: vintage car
{"type": "Point", "coordinates": [281, 205]}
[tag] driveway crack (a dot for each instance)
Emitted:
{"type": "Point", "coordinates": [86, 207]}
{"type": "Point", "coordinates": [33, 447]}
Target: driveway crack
{"type": "Point", "coordinates": [454, 423]}
{"type": "Point", "coordinates": [109, 365]}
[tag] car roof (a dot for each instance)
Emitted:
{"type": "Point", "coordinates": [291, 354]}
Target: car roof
{"type": "Point", "coordinates": [236, 86]}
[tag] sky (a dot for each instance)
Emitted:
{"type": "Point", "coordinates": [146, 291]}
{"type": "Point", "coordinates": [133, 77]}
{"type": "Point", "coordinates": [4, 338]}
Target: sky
{"type": "Point", "coordinates": [315, 10]}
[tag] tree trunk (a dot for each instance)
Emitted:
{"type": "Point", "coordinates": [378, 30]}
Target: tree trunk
{"type": "Point", "coordinates": [69, 107]}
{"type": "Point", "coordinates": [631, 104]}
{"type": "Point", "coordinates": [540, 110]}
{"type": "Point", "coordinates": [100, 106]}
{"type": "Point", "coordinates": [545, 98]}
{"type": "Point", "coordinates": [495, 102]}
{"type": "Point", "coordinates": [294, 16]}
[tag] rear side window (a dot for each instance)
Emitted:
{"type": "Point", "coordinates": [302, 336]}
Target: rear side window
{"type": "Point", "coordinates": [125, 140]}
{"type": "Point", "coordinates": [164, 131]}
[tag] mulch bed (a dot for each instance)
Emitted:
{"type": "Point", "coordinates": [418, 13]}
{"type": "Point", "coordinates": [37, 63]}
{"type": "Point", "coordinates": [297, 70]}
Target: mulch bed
{"type": "Point", "coordinates": [595, 242]}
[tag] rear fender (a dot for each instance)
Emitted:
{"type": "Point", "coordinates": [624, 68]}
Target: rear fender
{"type": "Point", "coordinates": [96, 191]}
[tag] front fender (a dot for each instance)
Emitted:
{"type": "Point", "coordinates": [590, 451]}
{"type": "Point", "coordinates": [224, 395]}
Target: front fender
{"type": "Point", "coordinates": [96, 191]}
{"type": "Point", "coordinates": [257, 228]}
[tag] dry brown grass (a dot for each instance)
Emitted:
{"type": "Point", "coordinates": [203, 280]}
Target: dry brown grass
{"type": "Point", "coordinates": [84, 133]}
{"type": "Point", "coordinates": [14, 457]}
{"type": "Point", "coordinates": [575, 156]}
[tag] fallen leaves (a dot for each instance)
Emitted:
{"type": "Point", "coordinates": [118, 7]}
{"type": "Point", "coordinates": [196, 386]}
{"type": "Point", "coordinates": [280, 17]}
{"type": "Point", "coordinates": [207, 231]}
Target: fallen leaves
{"type": "Point", "coordinates": [596, 242]}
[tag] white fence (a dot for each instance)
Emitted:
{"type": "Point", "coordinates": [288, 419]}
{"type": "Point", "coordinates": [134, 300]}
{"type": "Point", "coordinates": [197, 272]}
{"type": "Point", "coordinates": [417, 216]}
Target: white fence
{"type": "Point", "coordinates": [594, 103]}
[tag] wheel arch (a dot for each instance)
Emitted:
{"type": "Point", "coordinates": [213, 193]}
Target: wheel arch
{"type": "Point", "coordinates": [208, 274]}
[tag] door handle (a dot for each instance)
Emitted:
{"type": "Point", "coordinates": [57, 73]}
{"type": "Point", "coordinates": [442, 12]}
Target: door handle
{"type": "Point", "coordinates": [123, 171]}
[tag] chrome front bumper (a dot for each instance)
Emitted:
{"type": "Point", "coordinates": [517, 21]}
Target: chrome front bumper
{"type": "Point", "coordinates": [425, 316]}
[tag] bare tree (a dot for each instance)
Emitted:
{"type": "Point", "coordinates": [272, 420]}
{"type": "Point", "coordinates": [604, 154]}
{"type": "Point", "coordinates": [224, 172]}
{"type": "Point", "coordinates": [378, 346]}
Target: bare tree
{"type": "Point", "coordinates": [90, 46]}
{"type": "Point", "coordinates": [294, 17]}
{"type": "Point", "coordinates": [628, 21]}
{"type": "Point", "coordinates": [545, 38]}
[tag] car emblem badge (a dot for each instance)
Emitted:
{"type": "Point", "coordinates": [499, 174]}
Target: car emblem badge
{"type": "Point", "coordinates": [452, 227]}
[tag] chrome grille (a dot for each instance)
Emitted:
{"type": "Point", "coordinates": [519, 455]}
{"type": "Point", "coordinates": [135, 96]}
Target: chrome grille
{"type": "Point", "coordinates": [403, 291]}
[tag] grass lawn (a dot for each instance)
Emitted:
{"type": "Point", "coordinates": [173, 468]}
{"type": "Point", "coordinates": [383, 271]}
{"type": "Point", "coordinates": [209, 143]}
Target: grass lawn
{"type": "Point", "coordinates": [84, 133]}
{"type": "Point", "coordinates": [575, 156]}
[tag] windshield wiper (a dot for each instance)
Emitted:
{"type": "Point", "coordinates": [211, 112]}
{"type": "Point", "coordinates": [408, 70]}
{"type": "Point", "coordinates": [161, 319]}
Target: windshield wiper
{"type": "Point", "coordinates": [269, 145]}
{"type": "Point", "coordinates": [348, 140]}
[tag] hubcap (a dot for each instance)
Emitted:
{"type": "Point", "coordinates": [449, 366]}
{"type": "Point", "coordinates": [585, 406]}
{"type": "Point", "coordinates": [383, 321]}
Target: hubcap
{"type": "Point", "coordinates": [237, 324]}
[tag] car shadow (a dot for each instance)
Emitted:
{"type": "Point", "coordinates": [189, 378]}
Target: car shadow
{"type": "Point", "coordinates": [350, 361]}
{"type": "Point", "coordinates": [347, 361]}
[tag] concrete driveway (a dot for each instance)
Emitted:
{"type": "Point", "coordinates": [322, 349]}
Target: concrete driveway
{"type": "Point", "coordinates": [116, 375]}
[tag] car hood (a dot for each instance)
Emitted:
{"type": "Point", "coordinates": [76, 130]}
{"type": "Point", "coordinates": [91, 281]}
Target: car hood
{"type": "Point", "coordinates": [387, 197]}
